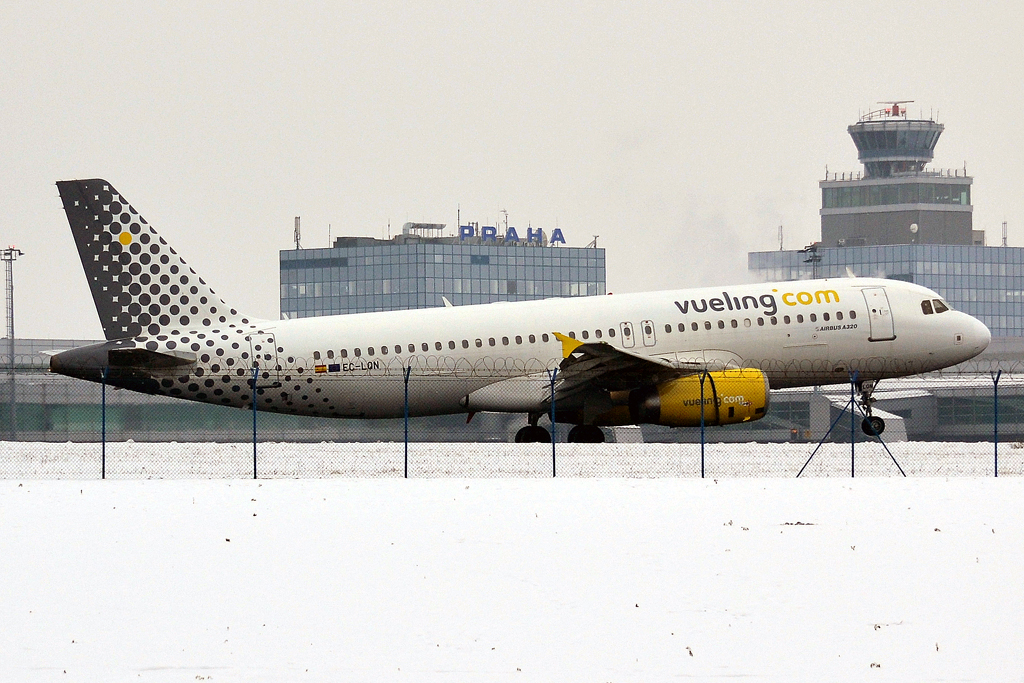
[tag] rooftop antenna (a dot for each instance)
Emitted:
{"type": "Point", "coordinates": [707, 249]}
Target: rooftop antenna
{"type": "Point", "coordinates": [298, 233]}
{"type": "Point", "coordinates": [780, 234]}
{"type": "Point", "coordinates": [505, 211]}
{"type": "Point", "coordinates": [328, 235]}
{"type": "Point", "coordinates": [1004, 233]}
{"type": "Point", "coordinates": [593, 243]}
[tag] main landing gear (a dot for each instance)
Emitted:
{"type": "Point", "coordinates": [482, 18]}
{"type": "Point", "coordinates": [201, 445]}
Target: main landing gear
{"type": "Point", "coordinates": [872, 425]}
{"type": "Point", "coordinates": [586, 434]}
{"type": "Point", "coordinates": [534, 433]}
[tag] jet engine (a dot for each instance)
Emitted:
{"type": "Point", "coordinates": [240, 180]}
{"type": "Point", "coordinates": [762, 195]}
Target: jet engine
{"type": "Point", "coordinates": [729, 396]}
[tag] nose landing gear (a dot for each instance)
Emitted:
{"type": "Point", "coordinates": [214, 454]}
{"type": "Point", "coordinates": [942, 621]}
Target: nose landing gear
{"type": "Point", "coordinates": [872, 425]}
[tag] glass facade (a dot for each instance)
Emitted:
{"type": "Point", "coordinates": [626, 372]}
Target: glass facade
{"type": "Point", "coordinates": [856, 195]}
{"type": "Point", "coordinates": [986, 282]}
{"type": "Point", "coordinates": [380, 275]}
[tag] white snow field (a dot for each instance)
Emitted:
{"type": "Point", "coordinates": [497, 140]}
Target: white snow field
{"type": "Point", "coordinates": [499, 579]}
{"type": "Point", "coordinates": [137, 460]}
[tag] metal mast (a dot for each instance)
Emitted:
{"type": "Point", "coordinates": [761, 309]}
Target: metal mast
{"type": "Point", "coordinates": [9, 256]}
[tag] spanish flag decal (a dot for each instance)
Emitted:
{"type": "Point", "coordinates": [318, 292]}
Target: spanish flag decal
{"type": "Point", "coordinates": [320, 368]}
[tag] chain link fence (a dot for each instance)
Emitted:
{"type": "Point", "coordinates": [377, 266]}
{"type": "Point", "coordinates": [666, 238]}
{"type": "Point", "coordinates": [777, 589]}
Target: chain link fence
{"type": "Point", "coordinates": [965, 422]}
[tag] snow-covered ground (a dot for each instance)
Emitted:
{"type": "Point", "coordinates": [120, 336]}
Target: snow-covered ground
{"type": "Point", "coordinates": [582, 579]}
{"type": "Point", "coordinates": [130, 460]}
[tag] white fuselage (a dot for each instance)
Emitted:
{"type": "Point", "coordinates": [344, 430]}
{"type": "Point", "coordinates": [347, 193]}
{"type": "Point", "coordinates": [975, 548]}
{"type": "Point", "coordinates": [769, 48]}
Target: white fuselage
{"type": "Point", "coordinates": [499, 356]}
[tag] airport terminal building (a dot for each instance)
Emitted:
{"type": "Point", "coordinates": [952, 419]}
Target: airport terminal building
{"type": "Point", "coordinates": [420, 268]}
{"type": "Point", "coordinates": [899, 219]}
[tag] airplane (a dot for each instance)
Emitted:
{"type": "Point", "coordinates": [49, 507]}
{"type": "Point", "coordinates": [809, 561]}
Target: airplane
{"type": "Point", "coordinates": [677, 358]}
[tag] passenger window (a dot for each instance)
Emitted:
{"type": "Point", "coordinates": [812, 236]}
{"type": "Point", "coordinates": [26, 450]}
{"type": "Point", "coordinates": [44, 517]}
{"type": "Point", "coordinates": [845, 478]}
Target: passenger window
{"type": "Point", "coordinates": [519, 339]}
{"type": "Point", "coordinates": [490, 342]}
{"type": "Point", "coordinates": [940, 307]}
{"type": "Point", "coordinates": [813, 317]}
{"type": "Point", "coordinates": [344, 353]}
{"type": "Point", "coordinates": [682, 327]}
{"type": "Point", "coordinates": [839, 315]}
{"type": "Point", "coordinates": [611, 332]}
{"type": "Point", "coordinates": [544, 337]}
{"type": "Point", "coordinates": [532, 339]}
{"type": "Point", "coordinates": [465, 343]}
{"type": "Point", "coordinates": [668, 328]}
{"type": "Point", "coordinates": [694, 327]}
{"type": "Point", "coordinates": [647, 330]}
{"type": "Point", "coordinates": [597, 333]}
{"type": "Point", "coordinates": [316, 355]}
{"type": "Point", "coordinates": [746, 322]}
{"type": "Point", "coordinates": [785, 319]}
{"type": "Point", "coordinates": [760, 322]}
{"type": "Point", "coordinates": [572, 335]}
{"type": "Point", "coordinates": [586, 335]}
{"type": "Point", "coordinates": [330, 354]}
{"type": "Point", "coordinates": [721, 324]}
{"type": "Point", "coordinates": [437, 346]}
{"type": "Point", "coordinates": [398, 348]}
{"type": "Point", "coordinates": [451, 345]}
{"type": "Point", "coordinates": [383, 350]}
{"type": "Point", "coordinates": [853, 315]}
{"type": "Point", "coordinates": [369, 351]}
{"type": "Point", "coordinates": [800, 318]}
{"type": "Point", "coordinates": [774, 320]}
{"type": "Point", "coordinates": [504, 341]}
{"type": "Point", "coordinates": [358, 353]}
{"type": "Point", "coordinates": [707, 324]}
{"type": "Point", "coordinates": [734, 323]}
{"type": "Point", "coordinates": [824, 316]}
{"type": "Point", "coordinates": [479, 343]}
{"type": "Point", "coordinates": [626, 332]}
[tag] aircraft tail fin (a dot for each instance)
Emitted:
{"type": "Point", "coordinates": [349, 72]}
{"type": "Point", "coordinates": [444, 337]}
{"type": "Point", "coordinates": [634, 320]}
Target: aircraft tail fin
{"type": "Point", "coordinates": [140, 285]}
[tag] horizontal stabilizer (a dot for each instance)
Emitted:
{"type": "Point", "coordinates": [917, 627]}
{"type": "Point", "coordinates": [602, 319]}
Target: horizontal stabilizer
{"type": "Point", "coordinates": [153, 360]}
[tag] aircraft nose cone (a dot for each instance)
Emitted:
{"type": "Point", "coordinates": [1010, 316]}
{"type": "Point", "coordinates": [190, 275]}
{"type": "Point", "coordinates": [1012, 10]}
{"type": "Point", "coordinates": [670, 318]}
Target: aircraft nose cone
{"type": "Point", "coordinates": [977, 336]}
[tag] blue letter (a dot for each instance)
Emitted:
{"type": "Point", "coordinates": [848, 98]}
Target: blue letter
{"type": "Point", "coordinates": [537, 236]}
{"type": "Point", "coordinates": [556, 236]}
{"type": "Point", "coordinates": [511, 235]}
{"type": "Point", "coordinates": [489, 232]}
{"type": "Point", "coordinates": [466, 231]}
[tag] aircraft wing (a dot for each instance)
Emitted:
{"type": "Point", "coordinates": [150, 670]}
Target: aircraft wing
{"type": "Point", "coordinates": [603, 366]}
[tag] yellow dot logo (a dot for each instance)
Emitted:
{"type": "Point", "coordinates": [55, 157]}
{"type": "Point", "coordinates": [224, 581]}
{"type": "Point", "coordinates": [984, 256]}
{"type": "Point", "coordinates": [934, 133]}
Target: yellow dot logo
{"type": "Point", "coordinates": [125, 238]}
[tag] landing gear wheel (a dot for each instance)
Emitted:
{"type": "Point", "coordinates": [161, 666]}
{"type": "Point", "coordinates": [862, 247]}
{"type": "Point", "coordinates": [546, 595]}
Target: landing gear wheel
{"type": "Point", "coordinates": [533, 434]}
{"type": "Point", "coordinates": [873, 425]}
{"type": "Point", "coordinates": [586, 434]}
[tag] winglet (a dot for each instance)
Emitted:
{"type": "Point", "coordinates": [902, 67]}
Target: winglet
{"type": "Point", "coordinates": [568, 344]}
{"type": "Point", "coordinates": [447, 304]}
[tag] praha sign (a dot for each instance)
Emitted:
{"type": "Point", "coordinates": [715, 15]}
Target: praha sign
{"type": "Point", "coordinates": [489, 233]}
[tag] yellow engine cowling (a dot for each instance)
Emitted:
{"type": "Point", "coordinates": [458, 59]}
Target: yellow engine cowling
{"type": "Point", "coordinates": [730, 396]}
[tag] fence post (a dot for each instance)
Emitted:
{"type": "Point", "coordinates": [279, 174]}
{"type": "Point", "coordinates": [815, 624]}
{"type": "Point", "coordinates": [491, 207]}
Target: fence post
{"type": "Point", "coordinates": [995, 416]}
{"type": "Point", "coordinates": [853, 424]}
{"type": "Point", "coordinates": [554, 374]}
{"type": "Point", "coordinates": [408, 369]}
{"type": "Point", "coordinates": [703, 377]}
{"type": "Point", "coordinates": [255, 376]}
{"type": "Point", "coordinates": [103, 425]}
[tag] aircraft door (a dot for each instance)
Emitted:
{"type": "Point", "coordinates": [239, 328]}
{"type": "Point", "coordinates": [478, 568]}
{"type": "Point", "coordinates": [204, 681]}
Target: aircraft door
{"type": "Point", "coordinates": [647, 329]}
{"type": "Point", "coordinates": [626, 331]}
{"type": "Point", "coordinates": [879, 315]}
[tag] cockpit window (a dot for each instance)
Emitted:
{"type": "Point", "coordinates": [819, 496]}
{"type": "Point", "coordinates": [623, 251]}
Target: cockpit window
{"type": "Point", "coordinates": [926, 306]}
{"type": "Point", "coordinates": [940, 306]}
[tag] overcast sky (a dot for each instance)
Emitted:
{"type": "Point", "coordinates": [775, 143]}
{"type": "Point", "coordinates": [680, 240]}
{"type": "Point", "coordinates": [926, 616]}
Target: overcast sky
{"type": "Point", "coordinates": [681, 133]}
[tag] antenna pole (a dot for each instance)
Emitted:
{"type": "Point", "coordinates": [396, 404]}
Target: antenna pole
{"type": "Point", "coordinates": [1004, 233]}
{"type": "Point", "coordinates": [780, 231]}
{"type": "Point", "coordinates": [297, 235]}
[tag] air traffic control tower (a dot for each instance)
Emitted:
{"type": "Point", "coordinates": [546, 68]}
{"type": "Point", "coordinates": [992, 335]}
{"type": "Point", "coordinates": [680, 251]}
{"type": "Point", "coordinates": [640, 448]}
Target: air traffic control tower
{"type": "Point", "coordinates": [895, 200]}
